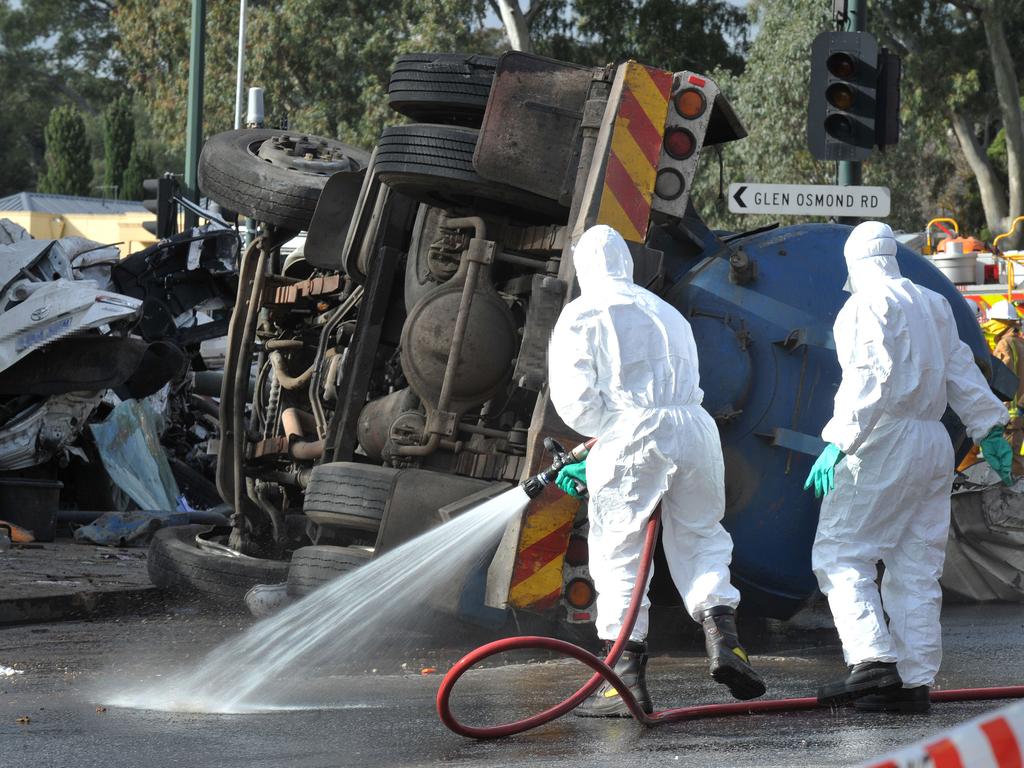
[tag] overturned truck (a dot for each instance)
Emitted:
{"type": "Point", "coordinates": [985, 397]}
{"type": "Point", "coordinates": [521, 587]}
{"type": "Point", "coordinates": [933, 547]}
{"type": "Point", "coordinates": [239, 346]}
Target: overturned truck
{"type": "Point", "coordinates": [397, 365]}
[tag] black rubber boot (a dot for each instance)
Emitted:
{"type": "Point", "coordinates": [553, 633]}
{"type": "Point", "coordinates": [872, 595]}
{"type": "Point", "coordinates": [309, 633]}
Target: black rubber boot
{"type": "Point", "coordinates": [632, 668]}
{"type": "Point", "coordinates": [866, 678]}
{"type": "Point", "coordinates": [904, 700]}
{"type": "Point", "coordinates": [729, 663]}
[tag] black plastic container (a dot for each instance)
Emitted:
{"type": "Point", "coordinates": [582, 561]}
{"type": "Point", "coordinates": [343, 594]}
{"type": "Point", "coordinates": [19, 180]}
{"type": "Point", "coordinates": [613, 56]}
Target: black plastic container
{"type": "Point", "coordinates": [31, 504]}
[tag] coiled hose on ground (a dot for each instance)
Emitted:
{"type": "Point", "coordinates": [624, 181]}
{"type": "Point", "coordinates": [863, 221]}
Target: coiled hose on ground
{"type": "Point", "coordinates": [603, 670]}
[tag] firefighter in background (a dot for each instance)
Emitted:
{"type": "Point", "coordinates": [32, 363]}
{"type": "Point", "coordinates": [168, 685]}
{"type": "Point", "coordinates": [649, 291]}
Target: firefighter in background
{"type": "Point", "coordinates": [1002, 331]}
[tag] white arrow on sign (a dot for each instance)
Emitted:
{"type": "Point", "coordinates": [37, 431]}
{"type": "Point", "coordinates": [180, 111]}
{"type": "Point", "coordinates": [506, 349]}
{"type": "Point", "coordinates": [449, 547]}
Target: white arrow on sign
{"type": "Point", "coordinates": [810, 200]}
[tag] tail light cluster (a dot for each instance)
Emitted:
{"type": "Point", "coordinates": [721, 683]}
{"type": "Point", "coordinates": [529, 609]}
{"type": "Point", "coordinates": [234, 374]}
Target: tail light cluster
{"type": "Point", "coordinates": [578, 594]}
{"type": "Point", "coordinates": [689, 113]}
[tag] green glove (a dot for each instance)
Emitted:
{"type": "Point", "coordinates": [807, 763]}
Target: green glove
{"type": "Point", "coordinates": [572, 478]}
{"type": "Point", "coordinates": [998, 453]}
{"type": "Point", "coordinates": [823, 473]}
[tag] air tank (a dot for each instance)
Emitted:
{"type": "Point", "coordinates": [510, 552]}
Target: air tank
{"type": "Point", "coordinates": [762, 307]}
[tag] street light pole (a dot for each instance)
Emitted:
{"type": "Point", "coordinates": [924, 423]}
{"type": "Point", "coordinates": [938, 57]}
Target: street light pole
{"type": "Point", "coordinates": [240, 78]}
{"type": "Point", "coordinates": [194, 119]}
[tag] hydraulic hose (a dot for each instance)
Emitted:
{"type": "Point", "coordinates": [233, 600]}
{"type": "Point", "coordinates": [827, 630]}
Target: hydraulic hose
{"type": "Point", "coordinates": [604, 671]}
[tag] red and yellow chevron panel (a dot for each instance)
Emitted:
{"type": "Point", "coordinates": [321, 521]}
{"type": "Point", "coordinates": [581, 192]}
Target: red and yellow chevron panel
{"type": "Point", "coordinates": [635, 149]}
{"type": "Point", "coordinates": [537, 576]}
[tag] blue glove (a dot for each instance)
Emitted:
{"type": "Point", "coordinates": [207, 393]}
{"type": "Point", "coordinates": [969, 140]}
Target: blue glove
{"type": "Point", "coordinates": [823, 473]}
{"type": "Point", "coordinates": [572, 478]}
{"type": "Point", "coordinates": [998, 453]}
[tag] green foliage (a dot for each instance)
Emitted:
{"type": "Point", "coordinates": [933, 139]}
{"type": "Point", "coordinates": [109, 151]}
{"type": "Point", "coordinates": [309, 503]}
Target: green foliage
{"type": "Point", "coordinates": [140, 167]}
{"type": "Point", "coordinates": [997, 149]}
{"type": "Point", "coordinates": [52, 52]}
{"type": "Point", "coordinates": [700, 35]}
{"type": "Point", "coordinates": [68, 168]}
{"type": "Point", "coordinates": [118, 140]}
{"type": "Point", "coordinates": [771, 96]}
{"type": "Point", "coordinates": [324, 64]}
{"type": "Point", "coordinates": [672, 34]}
{"type": "Point", "coordinates": [947, 68]}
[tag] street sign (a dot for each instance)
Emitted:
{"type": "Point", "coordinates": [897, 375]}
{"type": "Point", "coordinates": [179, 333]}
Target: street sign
{"type": "Point", "coordinates": [810, 200]}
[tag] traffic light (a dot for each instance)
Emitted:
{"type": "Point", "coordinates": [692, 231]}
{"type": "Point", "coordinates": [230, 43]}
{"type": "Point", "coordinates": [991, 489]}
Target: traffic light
{"type": "Point", "coordinates": [887, 116]}
{"type": "Point", "coordinates": [160, 200]}
{"type": "Point", "coordinates": [843, 104]}
{"type": "Point", "coordinates": [689, 112]}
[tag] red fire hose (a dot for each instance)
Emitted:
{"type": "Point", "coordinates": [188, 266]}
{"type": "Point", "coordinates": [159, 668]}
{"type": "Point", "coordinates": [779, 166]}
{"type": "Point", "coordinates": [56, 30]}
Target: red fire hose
{"type": "Point", "coordinates": [603, 671]}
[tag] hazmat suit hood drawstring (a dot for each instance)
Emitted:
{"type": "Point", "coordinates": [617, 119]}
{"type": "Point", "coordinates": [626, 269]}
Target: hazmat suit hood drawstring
{"type": "Point", "coordinates": [870, 253]}
{"type": "Point", "coordinates": [602, 259]}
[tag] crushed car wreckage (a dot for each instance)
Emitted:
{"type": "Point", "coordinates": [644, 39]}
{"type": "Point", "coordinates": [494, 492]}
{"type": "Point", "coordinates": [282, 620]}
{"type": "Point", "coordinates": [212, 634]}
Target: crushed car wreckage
{"type": "Point", "coordinates": [80, 332]}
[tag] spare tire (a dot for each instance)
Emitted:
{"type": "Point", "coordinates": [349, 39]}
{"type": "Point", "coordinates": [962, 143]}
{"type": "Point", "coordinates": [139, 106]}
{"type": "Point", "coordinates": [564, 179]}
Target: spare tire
{"type": "Point", "coordinates": [448, 88]}
{"type": "Point", "coordinates": [314, 566]}
{"type": "Point", "coordinates": [434, 164]}
{"type": "Point", "coordinates": [176, 563]}
{"type": "Point", "coordinates": [343, 494]}
{"type": "Point", "coordinates": [276, 176]}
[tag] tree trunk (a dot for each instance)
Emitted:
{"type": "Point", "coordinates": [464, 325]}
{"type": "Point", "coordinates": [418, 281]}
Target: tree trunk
{"type": "Point", "coordinates": [993, 197]}
{"type": "Point", "coordinates": [515, 24]}
{"type": "Point", "coordinates": [1008, 90]}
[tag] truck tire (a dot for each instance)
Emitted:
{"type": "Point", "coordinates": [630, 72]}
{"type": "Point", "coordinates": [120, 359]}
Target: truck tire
{"type": "Point", "coordinates": [311, 567]}
{"type": "Point", "coordinates": [252, 172]}
{"type": "Point", "coordinates": [434, 164]}
{"type": "Point", "coordinates": [344, 494]}
{"type": "Point", "coordinates": [176, 564]}
{"type": "Point", "coordinates": [447, 88]}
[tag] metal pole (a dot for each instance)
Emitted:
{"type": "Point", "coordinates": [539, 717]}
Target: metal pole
{"type": "Point", "coordinates": [849, 171]}
{"type": "Point", "coordinates": [194, 120]}
{"type": "Point", "coordinates": [240, 78]}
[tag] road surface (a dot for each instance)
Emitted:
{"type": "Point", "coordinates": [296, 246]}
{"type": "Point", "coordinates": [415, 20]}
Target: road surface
{"type": "Point", "coordinates": [384, 715]}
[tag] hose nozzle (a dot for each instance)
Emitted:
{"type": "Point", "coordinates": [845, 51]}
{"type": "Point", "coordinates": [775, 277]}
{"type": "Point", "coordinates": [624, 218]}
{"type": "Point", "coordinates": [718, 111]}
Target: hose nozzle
{"type": "Point", "coordinates": [535, 485]}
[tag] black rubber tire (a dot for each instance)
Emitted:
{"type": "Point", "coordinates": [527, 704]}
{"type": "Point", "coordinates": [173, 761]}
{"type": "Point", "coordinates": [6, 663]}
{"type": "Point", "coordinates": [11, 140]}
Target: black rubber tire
{"type": "Point", "coordinates": [344, 494]}
{"type": "Point", "coordinates": [447, 88]}
{"type": "Point", "coordinates": [232, 174]}
{"type": "Point", "coordinates": [176, 564]}
{"type": "Point", "coordinates": [434, 164]}
{"type": "Point", "coordinates": [312, 567]}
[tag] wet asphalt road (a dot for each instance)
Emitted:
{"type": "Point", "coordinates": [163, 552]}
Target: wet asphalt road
{"type": "Point", "coordinates": [385, 716]}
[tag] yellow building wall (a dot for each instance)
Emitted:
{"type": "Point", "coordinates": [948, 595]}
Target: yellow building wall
{"type": "Point", "coordinates": [125, 229]}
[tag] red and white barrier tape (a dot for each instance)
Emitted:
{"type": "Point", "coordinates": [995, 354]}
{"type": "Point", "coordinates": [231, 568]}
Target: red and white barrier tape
{"type": "Point", "coordinates": [994, 740]}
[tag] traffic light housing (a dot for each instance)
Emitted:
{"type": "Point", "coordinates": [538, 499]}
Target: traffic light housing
{"type": "Point", "coordinates": [887, 116]}
{"type": "Point", "coordinates": [843, 105]}
{"type": "Point", "coordinates": [160, 200]}
{"type": "Point", "coordinates": [686, 125]}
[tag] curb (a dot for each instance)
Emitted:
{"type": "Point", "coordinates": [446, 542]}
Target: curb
{"type": "Point", "coordinates": [76, 605]}
{"type": "Point", "coordinates": [994, 740]}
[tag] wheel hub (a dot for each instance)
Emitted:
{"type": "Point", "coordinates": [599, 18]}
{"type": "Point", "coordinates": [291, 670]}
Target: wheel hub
{"type": "Point", "coordinates": [300, 153]}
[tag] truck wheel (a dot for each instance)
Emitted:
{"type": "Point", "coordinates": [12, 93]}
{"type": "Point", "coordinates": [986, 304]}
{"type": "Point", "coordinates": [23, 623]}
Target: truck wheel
{"type": "Point", "coordinates": [344, 494]}
{"type": "Point", "coordinates": [448, 88]}
{"type": "Point", "coordinates": [273, 176]}
{"type": "Point", "coordinates": [434, 164]}
{"type": "Point", "coordinates": [177, 564]}
{"type": "Point", "coordinates": [312, 567]}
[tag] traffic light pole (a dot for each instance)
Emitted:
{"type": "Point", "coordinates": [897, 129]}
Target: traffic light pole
{"type": "Point", "coordinates": [849, 171]}
{"type": "Point", "coordinates": [194, 120]}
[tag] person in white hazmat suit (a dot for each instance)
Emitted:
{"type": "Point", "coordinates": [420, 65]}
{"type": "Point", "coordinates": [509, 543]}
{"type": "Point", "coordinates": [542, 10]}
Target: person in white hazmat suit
{"type": "Point", "coordinates": [887, 474]}
{"type": "Point", "coordinates": [622, 366]}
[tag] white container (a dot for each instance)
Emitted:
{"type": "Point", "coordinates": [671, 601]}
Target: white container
{"type": "Point", "coordinates": [958, 266]}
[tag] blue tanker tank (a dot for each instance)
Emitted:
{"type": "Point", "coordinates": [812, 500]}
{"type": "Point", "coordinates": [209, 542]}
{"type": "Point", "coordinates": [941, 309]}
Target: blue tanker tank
{"type": "Point", "coordinates": [762, 307]}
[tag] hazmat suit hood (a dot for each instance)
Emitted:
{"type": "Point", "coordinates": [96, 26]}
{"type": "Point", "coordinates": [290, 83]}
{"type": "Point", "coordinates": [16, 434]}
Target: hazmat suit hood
{"type": "Point", "coordinates": [870, 253]}
{"type": "Point", "coordinates": [602, 260]}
